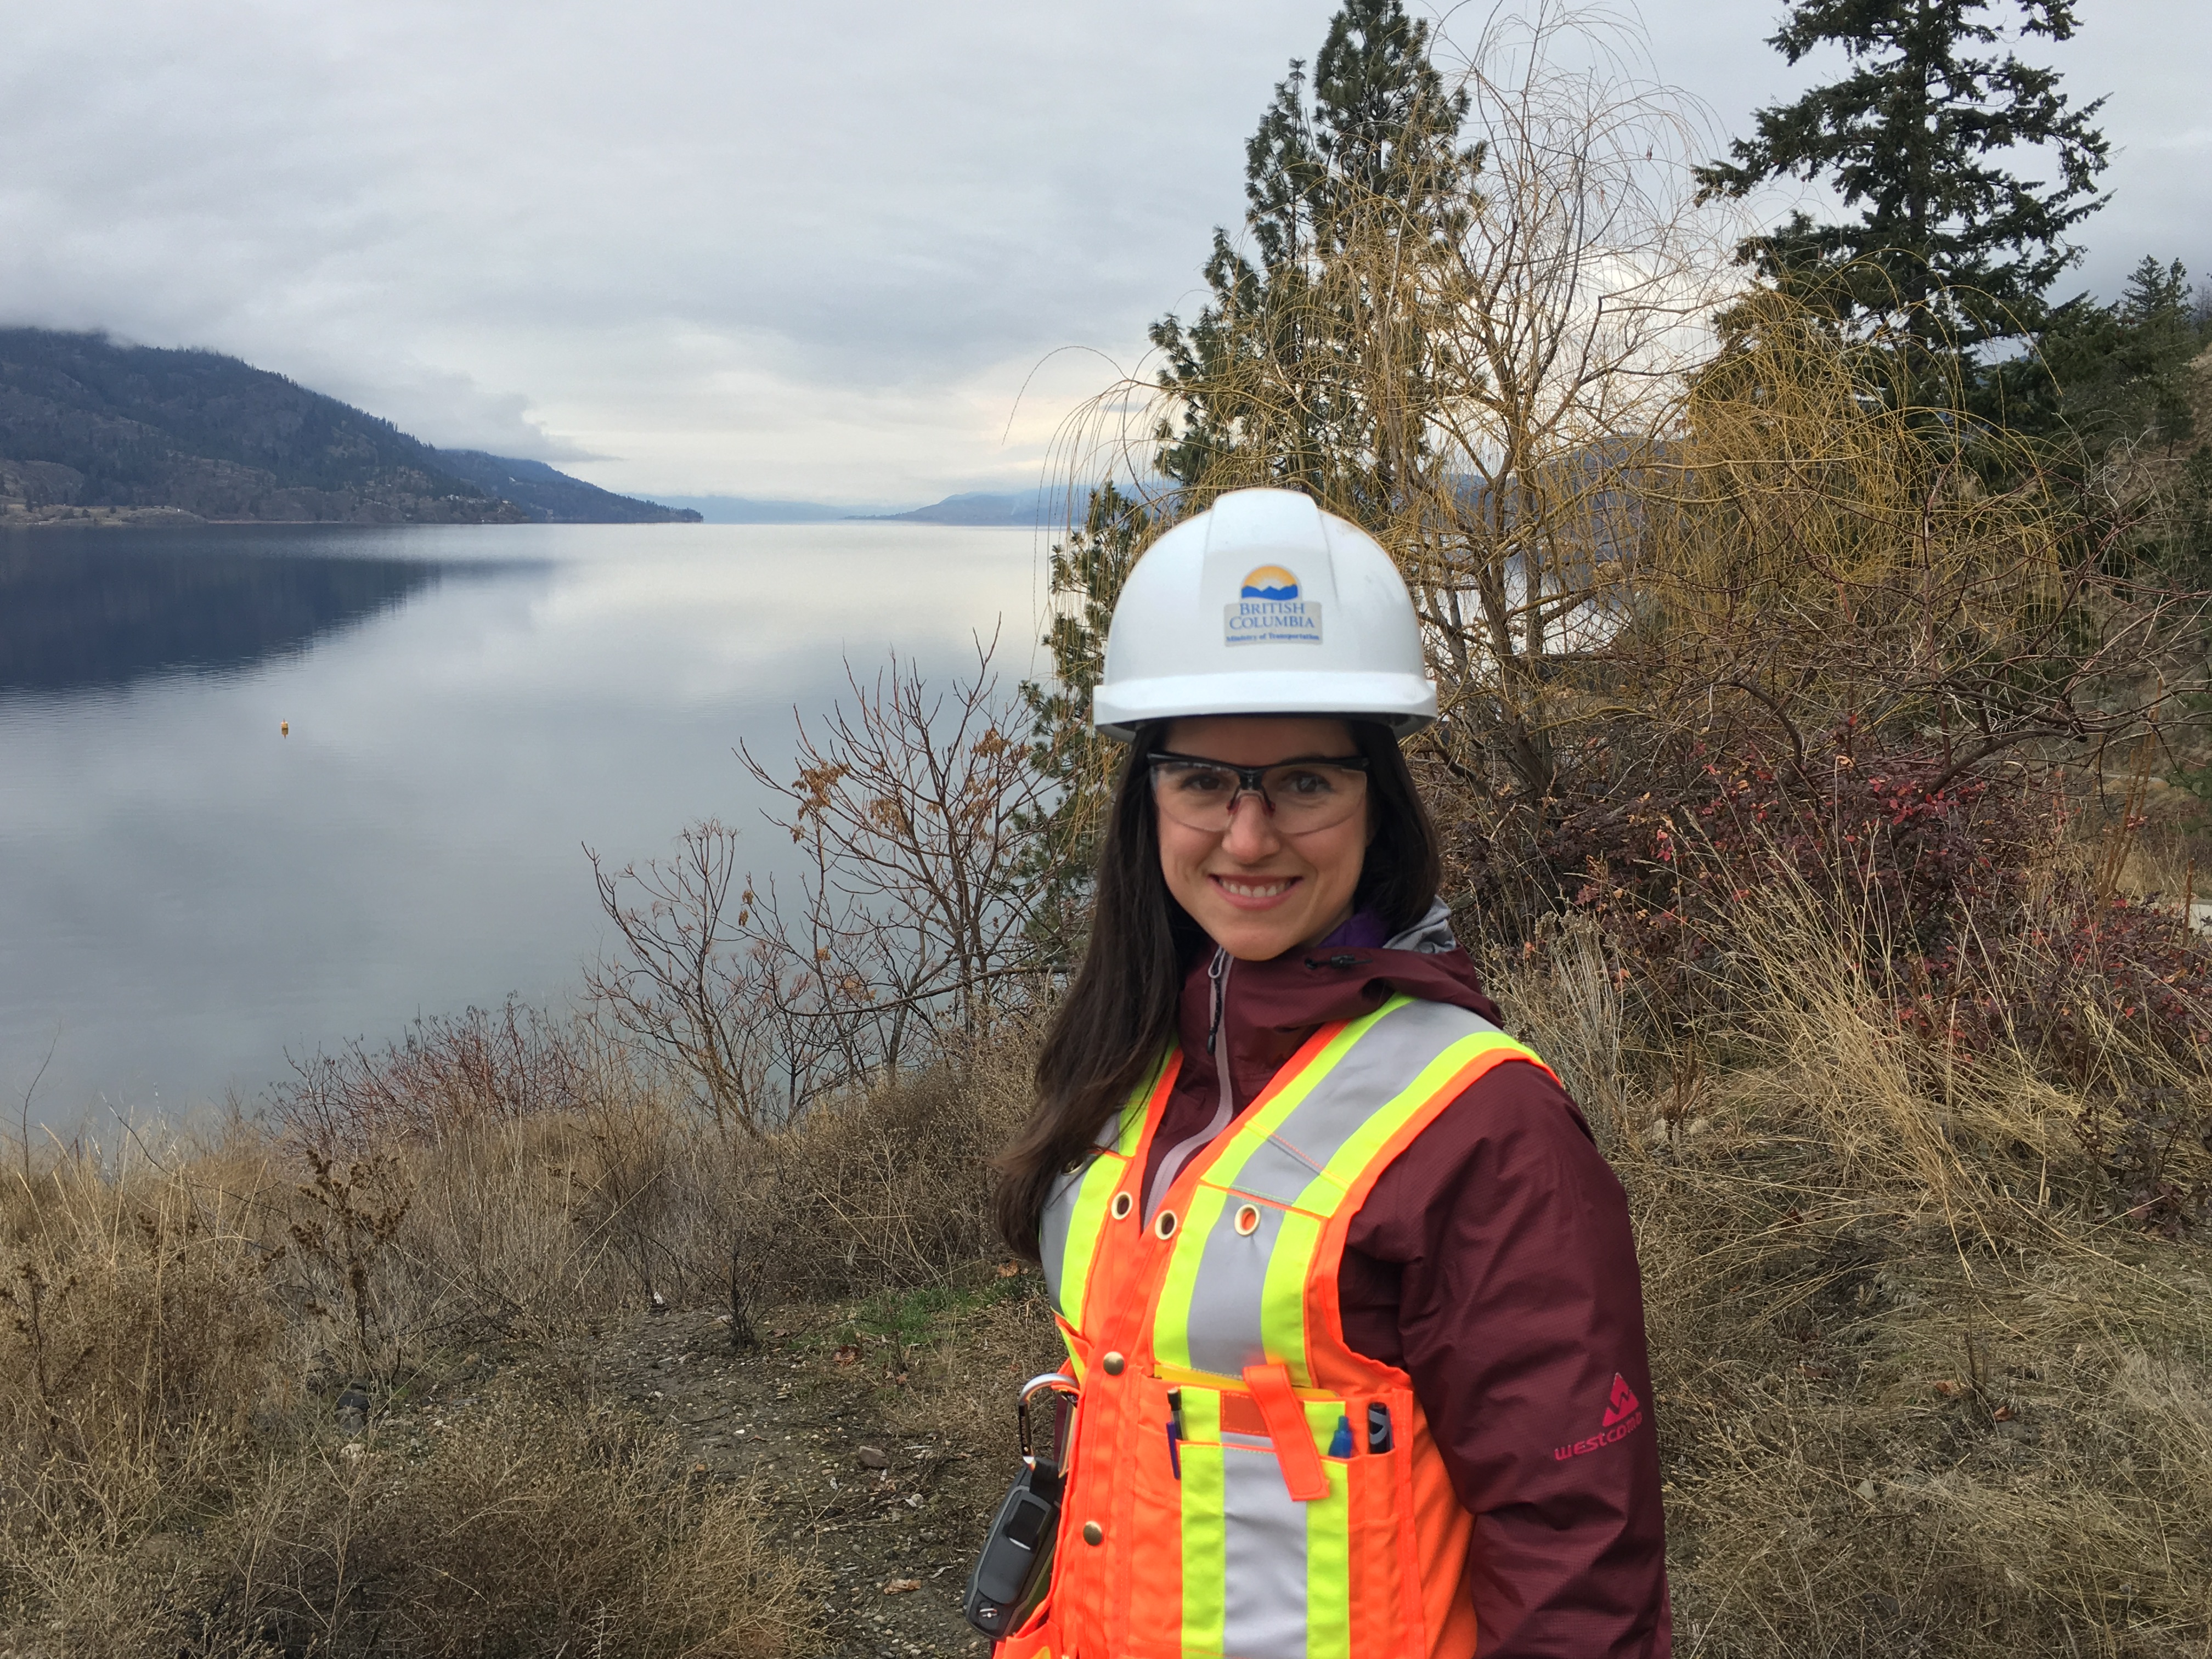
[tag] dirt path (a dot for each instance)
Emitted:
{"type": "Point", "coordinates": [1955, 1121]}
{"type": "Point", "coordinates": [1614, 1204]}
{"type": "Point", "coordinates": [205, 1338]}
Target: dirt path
{"type": "Point", "coordinates": [879, 1439]}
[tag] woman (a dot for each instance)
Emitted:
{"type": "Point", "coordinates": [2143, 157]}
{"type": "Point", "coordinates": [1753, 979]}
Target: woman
{"type": "Point", "coordinates": [1348, 1291]}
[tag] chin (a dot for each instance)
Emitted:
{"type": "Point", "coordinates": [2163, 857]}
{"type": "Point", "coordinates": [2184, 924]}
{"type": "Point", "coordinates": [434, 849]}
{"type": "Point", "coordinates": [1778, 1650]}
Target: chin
{"type": "Point", "coordinates": [1253, 940]}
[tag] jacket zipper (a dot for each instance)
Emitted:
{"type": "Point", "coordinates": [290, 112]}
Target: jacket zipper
{"type": "Point", "coordinates": [1181, 1153]}
{"type": "Point", "coordinates": [1219, 973]}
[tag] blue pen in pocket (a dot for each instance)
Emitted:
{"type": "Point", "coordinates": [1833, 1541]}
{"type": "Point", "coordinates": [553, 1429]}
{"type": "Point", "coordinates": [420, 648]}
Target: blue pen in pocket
{"type": "Point", "coordinates": [1175, 1432]}
{"type": "Point", "coordinates": [1340, 1445]}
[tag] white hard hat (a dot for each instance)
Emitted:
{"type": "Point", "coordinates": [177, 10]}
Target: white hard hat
{"type": "Point", "coordinates": [1264, 604]}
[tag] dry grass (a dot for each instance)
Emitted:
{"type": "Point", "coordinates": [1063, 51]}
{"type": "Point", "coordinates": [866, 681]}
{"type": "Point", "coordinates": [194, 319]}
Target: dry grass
{"type": "Point", "coordinates": [1914, 1396]}
{"type": "Point", "coordinates": [887, 1189]}
{"type": "Point", "coordinates": [550, 1528]}
{"type": "Point", "coordinates": [178, 1321]}
{"type": "Point", "coordinates": [526, 1527]}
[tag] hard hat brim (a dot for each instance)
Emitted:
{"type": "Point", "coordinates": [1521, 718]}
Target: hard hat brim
{"type": "Point", "coordinates": [1404, 702]}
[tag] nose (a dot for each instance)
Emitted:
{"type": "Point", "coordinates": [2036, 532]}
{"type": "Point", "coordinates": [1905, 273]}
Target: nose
{"type": "Point", "coordinates": [1251, 834]}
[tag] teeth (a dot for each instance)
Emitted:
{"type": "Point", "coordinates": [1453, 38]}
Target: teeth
{"type": "Point", "coordinates": [1254, 890]}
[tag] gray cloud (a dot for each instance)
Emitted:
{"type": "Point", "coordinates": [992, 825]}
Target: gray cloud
{"type": "Point", "coordinates": [761, 250]}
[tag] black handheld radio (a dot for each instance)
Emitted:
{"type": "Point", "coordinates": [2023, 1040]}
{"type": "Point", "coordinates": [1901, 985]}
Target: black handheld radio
{"type": "Point", "coordinates": [1016, 1564]}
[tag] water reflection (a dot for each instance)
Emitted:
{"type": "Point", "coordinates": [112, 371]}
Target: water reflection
{"type": "Point", "coordinates": [187, 889]}
{"type": "Point", "coordinates": [92, 608]}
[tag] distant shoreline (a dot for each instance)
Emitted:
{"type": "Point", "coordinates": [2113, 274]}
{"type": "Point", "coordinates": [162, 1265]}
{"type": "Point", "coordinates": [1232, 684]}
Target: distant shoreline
{"type": "Point", "coordinates": [154, 517]}
{"type": "Point", "coordinates": [13, 517]}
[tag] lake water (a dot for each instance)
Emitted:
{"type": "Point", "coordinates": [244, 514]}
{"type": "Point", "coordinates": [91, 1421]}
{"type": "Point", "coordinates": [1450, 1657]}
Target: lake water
{"type": "Point", "coordinates": [186, 894]}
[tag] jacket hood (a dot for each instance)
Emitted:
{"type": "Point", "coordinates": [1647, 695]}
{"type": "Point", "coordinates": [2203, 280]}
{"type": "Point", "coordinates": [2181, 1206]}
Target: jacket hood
{"type": "Point", "coordinates": [1266, 1009]}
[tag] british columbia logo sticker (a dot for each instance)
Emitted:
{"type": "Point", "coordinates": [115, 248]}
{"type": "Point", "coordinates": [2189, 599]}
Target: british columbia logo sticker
{"type": "Point", "coordinates": [1269, 610]}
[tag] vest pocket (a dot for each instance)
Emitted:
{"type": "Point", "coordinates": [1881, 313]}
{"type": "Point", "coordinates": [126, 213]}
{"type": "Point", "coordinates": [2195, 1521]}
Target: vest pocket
{"type": "Point", "coordinates": [1262, 1573]}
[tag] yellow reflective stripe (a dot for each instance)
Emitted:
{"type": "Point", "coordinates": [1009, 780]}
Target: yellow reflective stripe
{"type": "Point", "coordinates": [1328, 1543]}
{"type": "Point", "coordinates": [1091, 1198]}
{"type": "Point", "coordinates": [1282, 1316]}
{"type": "Point", "coordinates": [1360, 1148]}
{"type": "Point", "coordinates": [1096, 1192]}
{"type": "Point", "coordinates": [1176, 1377]}
{"type": "Point", "coordinates": [1204, 1525]}
{"type": "Point", "coordinates": [1075, 1367]}
{"type": "Point", "coordinates": [1133, 1110]}
{"type": "Point", "coordinates": [1171, 1312]}
{"type": "Point", "coordinates": [1283, 1294]}
{"type": "Point", "coordinates": [1234, 1157]}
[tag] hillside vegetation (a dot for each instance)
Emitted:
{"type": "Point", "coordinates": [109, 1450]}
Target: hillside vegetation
{"type": "Point", "coordinates": [387, 1373]}
{"type": "Point", "coordinates": [90, 428]}
{"type": "Point", "coordinates": [554, 497]}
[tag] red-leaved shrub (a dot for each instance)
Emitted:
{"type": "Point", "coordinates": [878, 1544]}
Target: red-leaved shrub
{"type": "Point", "coordinates": [1983, 936]}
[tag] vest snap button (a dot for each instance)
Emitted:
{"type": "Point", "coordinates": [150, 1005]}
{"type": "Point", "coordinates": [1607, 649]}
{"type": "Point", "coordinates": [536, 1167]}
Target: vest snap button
{"type": "Point", "coordinates": [1165, 1227]}
{"type": "Point", "coordinates": [1123, 1203]}
{"type": "Point", "coordinates": [1093, 1533]}
{"type": "Point", "coordinates": [1114, 1365]}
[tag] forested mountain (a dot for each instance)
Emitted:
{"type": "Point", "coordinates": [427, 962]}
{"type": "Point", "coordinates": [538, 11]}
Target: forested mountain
{"type": "Point", "coordinates": [553, 497]}
{"type": "Point", "coordinates": [1045, 506]}
{"type": "Point", "coordinates": [90, 425]}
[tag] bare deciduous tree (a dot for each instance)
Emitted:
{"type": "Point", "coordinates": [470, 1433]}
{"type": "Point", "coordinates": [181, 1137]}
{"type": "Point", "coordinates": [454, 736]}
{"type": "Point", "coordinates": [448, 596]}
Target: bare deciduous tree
{"type": "Point", "coordinates": [905, 934]}
{"type": "Point", "coordinates": [1643, 512]}
{"type": "Point", "coordinates": [681, 985]}
{"type": "Point", "coordinates": [1552, 334]}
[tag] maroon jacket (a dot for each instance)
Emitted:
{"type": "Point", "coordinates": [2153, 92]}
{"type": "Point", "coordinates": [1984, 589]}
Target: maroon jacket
{"type": "Point", "coordinates": [1493, 1262]}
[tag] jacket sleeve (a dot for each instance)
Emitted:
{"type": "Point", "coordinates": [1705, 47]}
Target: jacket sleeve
{"type": "Point", "coordinates": [1520, 1318]}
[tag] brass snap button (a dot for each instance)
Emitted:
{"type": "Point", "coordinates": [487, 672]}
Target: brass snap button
{"type": "Point", "coordinates": [1123, 1203]}
{"type": "Point", "coordinates": [1114, 1365]}
{"type": "Point", "coordinates": [1093, 1533]}
{"type": "Point", "coordinates": [1165, 1227]}
{"type": "Point", "coordinates": [1247, 1220]}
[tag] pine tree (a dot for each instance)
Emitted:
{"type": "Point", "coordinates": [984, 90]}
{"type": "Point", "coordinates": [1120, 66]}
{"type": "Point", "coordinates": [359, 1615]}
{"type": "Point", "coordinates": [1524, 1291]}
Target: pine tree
{"type": "Point", "coordinates": [1263, 370]}
{"type": "Point", "coordinates": [1265, 375]}
{"type": "Point", "coordinates": [1945, 245]}
{"type": "Point", "coordinates": [2123, 370]}
{"type": "Point", "coordinates": [1088, 568]}
{"type": "Point", "coordinates": [2117, 381]}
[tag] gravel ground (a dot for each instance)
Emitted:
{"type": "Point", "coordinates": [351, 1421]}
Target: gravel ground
{"type": "Point", "coordinates": [877, 1459]}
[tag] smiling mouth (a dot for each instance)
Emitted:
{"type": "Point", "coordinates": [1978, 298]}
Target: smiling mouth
{"type": "Point", "coordinates": [1254, 892]}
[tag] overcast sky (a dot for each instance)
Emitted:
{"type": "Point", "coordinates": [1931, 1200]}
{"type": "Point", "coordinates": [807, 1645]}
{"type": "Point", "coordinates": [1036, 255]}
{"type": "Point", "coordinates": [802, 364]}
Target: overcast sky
{"type": "Point", "coordinates": [693, 246]}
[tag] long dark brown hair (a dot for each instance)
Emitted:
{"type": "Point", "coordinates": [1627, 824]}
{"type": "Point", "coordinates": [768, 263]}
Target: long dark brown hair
{"type": "Point", "coordinates": [1119, 1016]}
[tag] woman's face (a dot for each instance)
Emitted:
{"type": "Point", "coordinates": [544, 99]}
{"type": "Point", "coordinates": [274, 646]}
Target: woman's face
{"type": "Point", "coordinates": [1257, 891]}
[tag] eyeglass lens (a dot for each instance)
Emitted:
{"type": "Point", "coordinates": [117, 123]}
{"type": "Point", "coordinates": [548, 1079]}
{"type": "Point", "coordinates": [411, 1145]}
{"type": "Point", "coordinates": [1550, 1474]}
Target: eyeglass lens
{"type": "Point", "coordinates": [1302, 795]}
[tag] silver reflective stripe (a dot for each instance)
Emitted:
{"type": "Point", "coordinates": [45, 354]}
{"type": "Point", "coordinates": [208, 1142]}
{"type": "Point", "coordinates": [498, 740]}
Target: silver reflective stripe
{"type": "Point", "coordinates": [1224, 1323]}
{"type": "Point", "coordinates": [1386, 1058]}
{"type": "Point", "coordinates": [1224, 1302]}
{"type": "Point", "coordinates": [1393, 1052]}
{"type": "Point", "coordinates": [1264, 1551]}
{"type": "Point", "coordinates": [1277, 1171]}
{"type": "Point", "coordinates": [1052, 1233]}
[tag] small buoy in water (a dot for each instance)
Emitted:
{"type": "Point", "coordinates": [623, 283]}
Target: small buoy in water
{"type": "Point", "coordinates": [283, 728]}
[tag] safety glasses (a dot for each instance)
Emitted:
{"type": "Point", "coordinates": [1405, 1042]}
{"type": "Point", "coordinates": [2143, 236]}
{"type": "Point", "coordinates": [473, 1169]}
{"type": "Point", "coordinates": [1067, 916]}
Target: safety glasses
{"type": "Point", "coordinates": [1312, 792]}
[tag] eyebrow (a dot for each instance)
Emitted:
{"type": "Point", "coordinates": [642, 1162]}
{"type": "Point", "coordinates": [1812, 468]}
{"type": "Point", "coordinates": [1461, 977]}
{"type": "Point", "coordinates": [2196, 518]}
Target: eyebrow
{"type": "Point", "coordinates": [1262, 766]}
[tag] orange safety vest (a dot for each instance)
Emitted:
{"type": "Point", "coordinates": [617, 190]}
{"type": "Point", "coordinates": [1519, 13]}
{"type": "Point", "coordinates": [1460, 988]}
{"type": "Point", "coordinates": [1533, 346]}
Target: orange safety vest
{"type": "Point", "coordinates": [1243, 1485]}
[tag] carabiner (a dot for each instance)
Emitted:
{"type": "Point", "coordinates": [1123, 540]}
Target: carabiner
{"type": "Point", "coordinates": [1060, 1383]}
